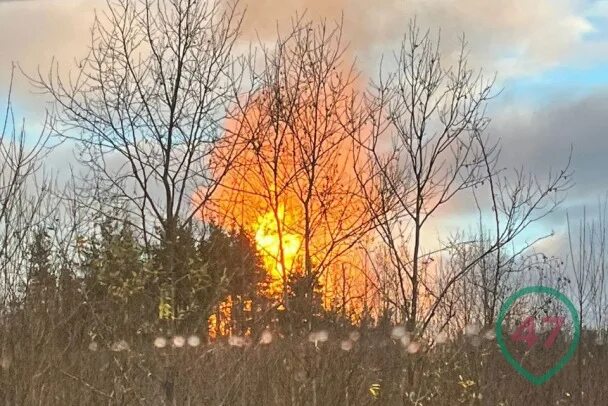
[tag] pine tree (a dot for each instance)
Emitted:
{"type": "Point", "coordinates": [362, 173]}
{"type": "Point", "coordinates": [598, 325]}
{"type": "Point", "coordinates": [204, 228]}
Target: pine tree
{"type": "Point", "coordinates": [116, 281]}
{"type": "Point", "coordinates": [41, 281]}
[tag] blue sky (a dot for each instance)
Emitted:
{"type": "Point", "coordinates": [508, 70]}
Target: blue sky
{"type": "Point", "coordinates": [551, 86]}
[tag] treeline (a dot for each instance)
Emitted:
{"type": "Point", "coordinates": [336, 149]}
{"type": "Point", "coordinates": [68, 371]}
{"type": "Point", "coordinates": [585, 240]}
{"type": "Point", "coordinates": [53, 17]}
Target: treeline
{"type": "Point", "coordinates": [116, 290]}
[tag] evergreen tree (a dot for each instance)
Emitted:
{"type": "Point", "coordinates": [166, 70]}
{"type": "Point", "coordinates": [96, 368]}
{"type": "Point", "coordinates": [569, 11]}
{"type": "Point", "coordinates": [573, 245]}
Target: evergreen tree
{"type": "Point", "coordinates": [41, 280]}
{"type": "Point", "coordinates": [116, 280]}
{"type": "Point", "coordinates": [235, 266]}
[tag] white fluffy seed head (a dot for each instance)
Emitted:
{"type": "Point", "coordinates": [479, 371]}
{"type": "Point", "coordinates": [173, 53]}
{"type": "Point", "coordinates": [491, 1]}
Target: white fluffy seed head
{"type": "Point", "coordinates": [346, 345]}
{"type": "Point", "coordinates": [178, 341]}
{"type": "Point", "coordinates": [318, 336]}
{"type": "Point", "coordinates": [413, 347]}
{"type": "Point", "coordinates": [5, 362]}
{"type": "Point", "coordinates": [194, 341]}
{"type": "Point", "coordinates": [119, 346]}
{"type": "Point", "coordinates": [160, 342]}
{"type": "Point", "coordinates": [397, 332]}
{"type": "Point", "coordinates": [405, 340]}
{"type": "Point", "coordinates": [322, 336]}
{"type": "Point", "coordinates": [266, 337]}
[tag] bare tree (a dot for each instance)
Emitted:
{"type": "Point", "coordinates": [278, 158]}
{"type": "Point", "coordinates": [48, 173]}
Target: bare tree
{"type": "Point", "coordinates": [587, 260]}
{"type": "Point", "coordinates": [587, 246]}
{"type": "Point", "coordinates": [23, 196]}
{"type": "Point", "coordinates": [300, 124]}
{"type": "Point", "coordinates": [146, 107]}
{"type": "Point", "coordinates": [599, 297]}
{"type": "Point", "coordinates": [25, 219]}
{"type": "Point", "coordinates": [428, 145]}
{"type": "Point", "coordinates": [432, 116]}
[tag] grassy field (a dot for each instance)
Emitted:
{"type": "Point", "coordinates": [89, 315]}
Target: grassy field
{"type": "Point", "coordinates": [364, 368]}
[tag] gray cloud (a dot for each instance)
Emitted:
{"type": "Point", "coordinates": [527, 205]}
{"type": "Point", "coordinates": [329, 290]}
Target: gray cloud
{"type": "Point", "coordinates": [513, 37]}
{"type": "Point", "coordinates": [35, 32]}
{"type": "Point", "coordinates": [540, 139]}
{"type": "Point", "coordinates": [517, 37]}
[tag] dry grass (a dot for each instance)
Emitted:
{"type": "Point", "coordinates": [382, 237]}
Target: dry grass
{"type": "Point", "coordinates": [42, 366]}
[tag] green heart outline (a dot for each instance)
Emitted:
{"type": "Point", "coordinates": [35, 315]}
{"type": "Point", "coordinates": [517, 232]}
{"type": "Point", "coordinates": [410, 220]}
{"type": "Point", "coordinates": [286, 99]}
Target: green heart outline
{"type": "Point", "coordinates": [537, 379]}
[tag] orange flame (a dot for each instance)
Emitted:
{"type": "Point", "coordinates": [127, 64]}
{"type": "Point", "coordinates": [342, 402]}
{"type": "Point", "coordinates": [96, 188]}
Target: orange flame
{"type": "Point", "coordinates": [270, 244]}
{"type": "Point", "coordinates": [299, 217]}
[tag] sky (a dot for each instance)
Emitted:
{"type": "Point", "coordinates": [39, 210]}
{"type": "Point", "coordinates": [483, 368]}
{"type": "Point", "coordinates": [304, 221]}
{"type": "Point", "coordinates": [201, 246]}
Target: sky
{"type": "Point", "coordinates": [550, 58]}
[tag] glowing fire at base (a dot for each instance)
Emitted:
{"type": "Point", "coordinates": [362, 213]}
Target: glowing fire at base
{"type": "Point", "coordinates": [294, 190]}
{"type": "Point", "coordinates": [277, 245]}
